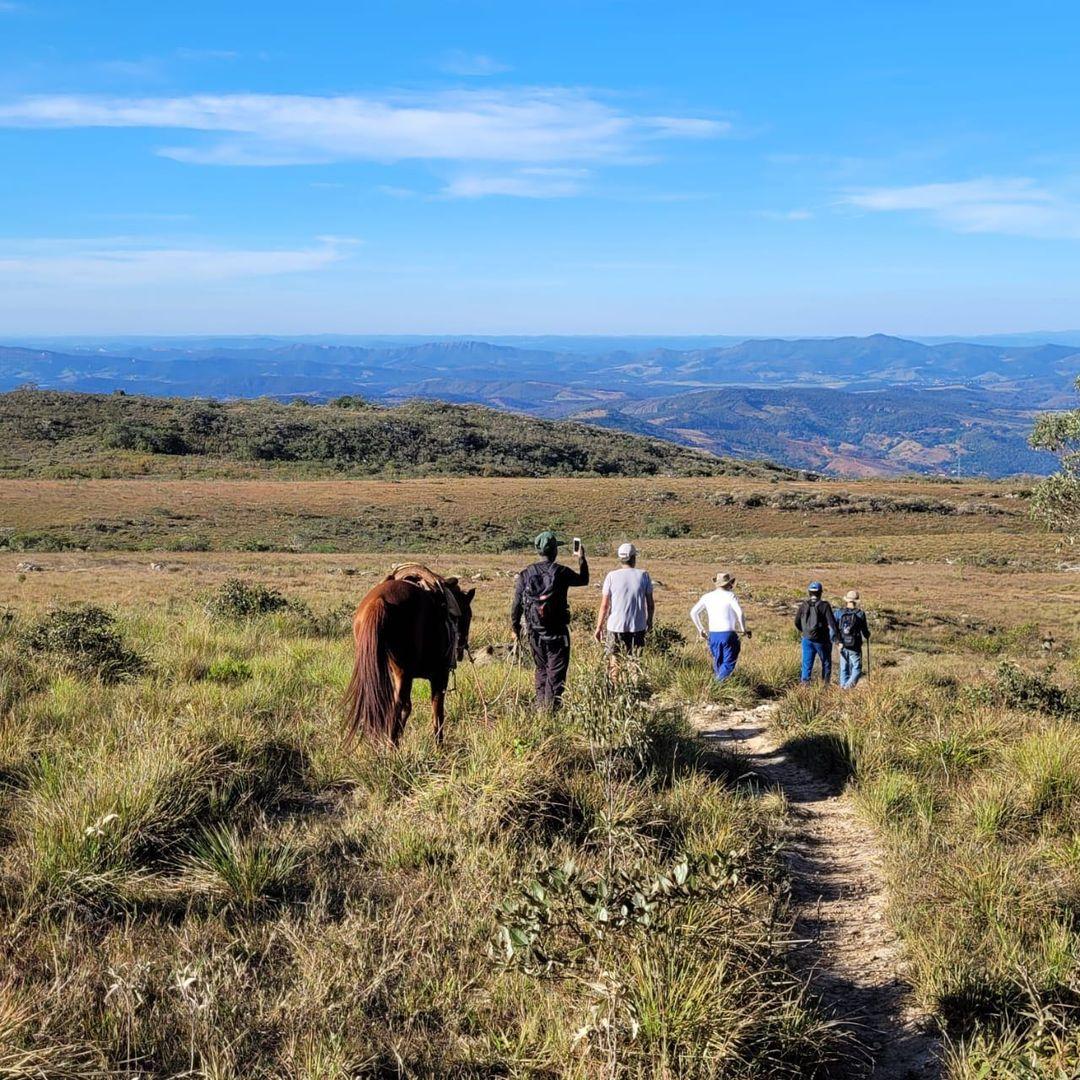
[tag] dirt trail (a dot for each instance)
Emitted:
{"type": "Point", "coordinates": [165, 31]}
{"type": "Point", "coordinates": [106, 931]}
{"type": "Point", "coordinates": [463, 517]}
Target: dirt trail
{"type": "Point", "coordinates": [838, 895]}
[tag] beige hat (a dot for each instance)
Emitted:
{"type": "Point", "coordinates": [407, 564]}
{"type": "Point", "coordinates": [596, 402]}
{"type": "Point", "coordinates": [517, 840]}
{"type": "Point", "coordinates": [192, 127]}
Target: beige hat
{"type": "Point", "coordinates": [852, 596]}
{"type": "Point", "coordinates": [725, 580]}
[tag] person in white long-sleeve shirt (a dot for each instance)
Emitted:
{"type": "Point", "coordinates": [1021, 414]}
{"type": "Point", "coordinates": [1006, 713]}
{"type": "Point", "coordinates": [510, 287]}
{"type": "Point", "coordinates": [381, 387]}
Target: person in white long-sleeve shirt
{"type": "Point", "coordinates": [726, 622]}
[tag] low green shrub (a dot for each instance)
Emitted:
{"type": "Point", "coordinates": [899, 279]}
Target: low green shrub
{"type": "Point", "coordinates": [188, 543]}
{"type": "Point", "coordinates": [666, 639]}
{"type": "Point", "coordinates": [86, 641]}
{"type": "Point", "coordinates": [237, 599]}
{"type": "Point", "coordinates": [1025, 690]}
{"type": "Point", "coordinates": [228, 670]}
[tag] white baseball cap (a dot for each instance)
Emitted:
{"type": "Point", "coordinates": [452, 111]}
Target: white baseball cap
{"type": "Point", "coordinates": [626, 552]}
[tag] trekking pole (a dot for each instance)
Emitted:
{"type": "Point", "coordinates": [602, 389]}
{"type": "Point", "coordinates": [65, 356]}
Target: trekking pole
{"type": "Point", "coordinates": [868, 658]}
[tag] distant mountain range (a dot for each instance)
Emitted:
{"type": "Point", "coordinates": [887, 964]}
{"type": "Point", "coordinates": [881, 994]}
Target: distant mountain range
{"type": "Point", "coordinates": [876, 405]}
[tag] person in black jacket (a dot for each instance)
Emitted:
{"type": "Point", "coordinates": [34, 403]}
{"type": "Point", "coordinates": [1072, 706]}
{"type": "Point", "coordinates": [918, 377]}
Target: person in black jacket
{"type": "Point", "coordinates": [540, 601]}
{"type": "Point", "coordinates": [816, 623]}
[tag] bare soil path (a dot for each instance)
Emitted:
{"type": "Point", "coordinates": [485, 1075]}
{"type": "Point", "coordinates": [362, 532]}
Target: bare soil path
{"type": "Point", "coordinates": [854, 960]}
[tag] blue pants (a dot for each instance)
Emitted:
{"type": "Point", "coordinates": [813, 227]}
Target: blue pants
{"type": "Point", "coordinates": [822, 650]}
{"type": "Point", "coordinates": [850, 667]}
{"type": "Point", "coordinates": [724, 646]}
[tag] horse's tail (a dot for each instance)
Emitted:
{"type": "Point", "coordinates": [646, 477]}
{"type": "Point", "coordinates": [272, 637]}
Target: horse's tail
{"type": "Point", "coordinates": [369, 699]}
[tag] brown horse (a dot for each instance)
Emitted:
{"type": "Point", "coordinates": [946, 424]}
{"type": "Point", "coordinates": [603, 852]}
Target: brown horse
{"type": "Point", "coordinates": [408, 627]}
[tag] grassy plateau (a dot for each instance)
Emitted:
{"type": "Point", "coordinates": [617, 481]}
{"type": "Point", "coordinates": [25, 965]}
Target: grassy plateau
{"type": "Point", "coordinates": [197, 880]}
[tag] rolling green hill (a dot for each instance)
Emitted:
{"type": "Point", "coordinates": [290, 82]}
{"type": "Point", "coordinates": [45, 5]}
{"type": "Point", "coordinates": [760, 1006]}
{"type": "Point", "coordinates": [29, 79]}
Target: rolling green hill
{"type": "Point", "coordinates": [47, 433]}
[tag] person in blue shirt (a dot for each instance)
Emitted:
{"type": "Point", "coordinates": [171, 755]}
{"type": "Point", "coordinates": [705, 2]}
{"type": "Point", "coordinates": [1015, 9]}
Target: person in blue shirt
{"type": "Point", "coordinates": [852, 630]}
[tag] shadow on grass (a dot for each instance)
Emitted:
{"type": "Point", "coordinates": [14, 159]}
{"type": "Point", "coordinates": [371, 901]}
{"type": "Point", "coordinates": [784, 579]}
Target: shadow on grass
{"type": "Point", "coordinates": [986, 1005]}
{"type": "Point", "coordinates": [827, 755]}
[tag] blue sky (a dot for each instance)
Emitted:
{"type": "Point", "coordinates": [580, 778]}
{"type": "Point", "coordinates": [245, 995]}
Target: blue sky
{"type": "Point", "coordinates": [503, 167]}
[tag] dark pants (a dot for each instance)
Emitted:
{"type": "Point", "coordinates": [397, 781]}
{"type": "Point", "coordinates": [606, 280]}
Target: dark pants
{"type": "Point", "coordinates": [816, 650]}
{"type": "Point", "coordinates": [552, 658]}
{"type": "Point", "coordinates": [624, 641]}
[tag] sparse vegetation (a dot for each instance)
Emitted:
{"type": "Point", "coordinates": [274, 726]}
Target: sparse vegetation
{"type": "Point", "coordinates": [197, 877]}
{"type": "Point", "coordinates": [194, 877]}
{"type": "Point", "coordinates": [975, 795]}
{"type": "Point", "coordinates": [123, 434]}
{"type": "Point", "coordinates": [839, 501]}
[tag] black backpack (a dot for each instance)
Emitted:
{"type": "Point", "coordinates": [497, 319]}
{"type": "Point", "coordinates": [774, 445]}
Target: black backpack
{"type": "Point", "coordinates": [811, 618]}
{"type": "Point", "coordinates": [546, 611]}
{"type": "Point", "coordinates": [849, 623]}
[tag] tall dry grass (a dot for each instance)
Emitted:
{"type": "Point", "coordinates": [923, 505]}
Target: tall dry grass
{"type": "Point", "coordinates": [975, 791]}
{"type": "Point", "coordinates": [195, 879]}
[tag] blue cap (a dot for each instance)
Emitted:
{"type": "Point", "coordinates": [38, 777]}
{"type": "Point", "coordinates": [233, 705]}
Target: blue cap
{"type": "Point", "coordinates": [814, 586]}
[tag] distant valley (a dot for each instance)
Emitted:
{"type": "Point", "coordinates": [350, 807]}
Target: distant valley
{"type": "Point", "coordinates": [854, 406]}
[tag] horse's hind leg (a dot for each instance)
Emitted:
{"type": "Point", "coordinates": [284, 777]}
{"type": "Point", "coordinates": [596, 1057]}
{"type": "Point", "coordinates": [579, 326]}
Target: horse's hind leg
{"type": "Point", "coordinates": [402, 706]}
{"type": "Point", "coordinates": [438, 711]}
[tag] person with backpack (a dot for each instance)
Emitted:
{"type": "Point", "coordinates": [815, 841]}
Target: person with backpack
{"type": "Point", "coordinates": [852, 631]}
{"type": "Point", "coordinates": [726, 622]}
{"type": "Point", "coordinates": [626, 609]}
{"type": "Point", "coordinates": [540, 601]}
{"type": "Point", "coordinates": [816, 623]}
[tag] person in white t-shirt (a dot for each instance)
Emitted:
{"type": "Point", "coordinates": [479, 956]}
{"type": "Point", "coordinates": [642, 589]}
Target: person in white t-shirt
{"type": "Point", "coordinates": [725, 623]}
{"type": "Point", "coordinates": [626, 607]}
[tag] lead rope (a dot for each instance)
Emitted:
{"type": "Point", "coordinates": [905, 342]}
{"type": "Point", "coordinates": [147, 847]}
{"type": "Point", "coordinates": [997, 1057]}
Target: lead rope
{"type": "Point", "coordinates": [484, 703]}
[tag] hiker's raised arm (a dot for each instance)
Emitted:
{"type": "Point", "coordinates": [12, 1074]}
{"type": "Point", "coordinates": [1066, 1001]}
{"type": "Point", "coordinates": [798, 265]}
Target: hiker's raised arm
{"type": "Point", "coordinates": [580, 576]}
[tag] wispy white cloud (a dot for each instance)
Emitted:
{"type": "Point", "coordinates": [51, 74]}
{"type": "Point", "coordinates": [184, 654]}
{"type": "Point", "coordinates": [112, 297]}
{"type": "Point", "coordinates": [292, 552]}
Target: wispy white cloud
{"type": "Point", "coordinates": [459, 62]}
{"type": "Point", "coordinates": [148, 68]}
{"type": "Point", "coordinates": [787, 215]}
{"type": "Point", "coordinates": [157, 68]}
{"type": "Point", "coordinates": [140, 215]}
{"type": "Point", "coordinates": [685, 127]}
{"type": "Point", "coordinates": [1015, 206]}
{"type": "Point", "coordinates": [526, 126]}
{"type": "Point", "coordinates": [200, 56]}
{"type": "Point", "coordinates": [397, 191]}
{"type": "Point", "coordinates": [534, 183]}
{"type": "Point", "coordinates": [126, 261]}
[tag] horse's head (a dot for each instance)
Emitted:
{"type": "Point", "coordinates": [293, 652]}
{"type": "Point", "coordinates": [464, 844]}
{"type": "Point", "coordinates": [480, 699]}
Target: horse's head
{"type": "Point", "coordinates": [464, 600]}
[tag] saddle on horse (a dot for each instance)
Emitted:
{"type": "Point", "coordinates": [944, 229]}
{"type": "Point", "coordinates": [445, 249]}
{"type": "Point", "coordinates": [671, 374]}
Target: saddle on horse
{"type": "Point", "coordinates": [419, 575]}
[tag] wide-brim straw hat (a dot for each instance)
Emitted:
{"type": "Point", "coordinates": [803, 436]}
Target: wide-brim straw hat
{"type": "Point", "coordinates": [852, 596]}
{"type": "Point", "coordinates": [725, 580]}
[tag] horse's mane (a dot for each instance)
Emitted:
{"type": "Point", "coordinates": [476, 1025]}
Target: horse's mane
{"type": "Point", "coordinates": [425, 578]}
{"type": "Point", "coordinates": [418, 574]}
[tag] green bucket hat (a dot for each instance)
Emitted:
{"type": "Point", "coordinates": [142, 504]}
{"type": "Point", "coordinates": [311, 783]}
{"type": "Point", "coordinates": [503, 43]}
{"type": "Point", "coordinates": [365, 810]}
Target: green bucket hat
{"type": "Point", "coordinates": [547, 543]}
